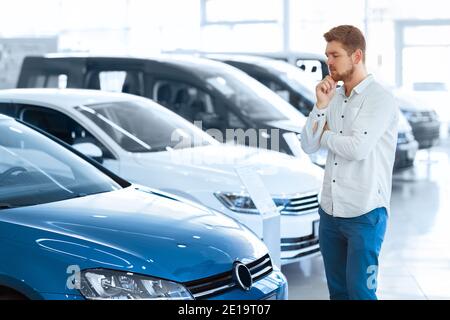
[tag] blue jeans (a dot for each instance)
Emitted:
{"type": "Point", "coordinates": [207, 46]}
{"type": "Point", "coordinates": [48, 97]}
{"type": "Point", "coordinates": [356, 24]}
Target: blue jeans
{"type": "Point", "coordinates": [350, 248]}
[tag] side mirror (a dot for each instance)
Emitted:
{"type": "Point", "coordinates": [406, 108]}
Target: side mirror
{"type": "Point", "coordinates": [89, 149]}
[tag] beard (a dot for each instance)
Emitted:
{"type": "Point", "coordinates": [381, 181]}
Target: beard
{"type": "Point", "coordinates": [342, 76]}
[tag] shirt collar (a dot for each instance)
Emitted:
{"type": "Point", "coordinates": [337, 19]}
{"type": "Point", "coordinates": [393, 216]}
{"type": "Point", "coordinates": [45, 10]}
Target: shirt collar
{"type": "Point", "coordinates": [363, 84]}
{"type": "Point", "coordinates": [341, 90]}
{"type": "Point", "coordinates": [359, 88]}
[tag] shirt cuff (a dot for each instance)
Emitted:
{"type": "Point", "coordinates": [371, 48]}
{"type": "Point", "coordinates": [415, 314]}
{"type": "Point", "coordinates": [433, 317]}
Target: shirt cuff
{"type": "Point", "coordinates": [318, 114]}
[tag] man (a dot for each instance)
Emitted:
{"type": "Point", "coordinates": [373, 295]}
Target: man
{"type": "Point", "coordinates": [357, 123]}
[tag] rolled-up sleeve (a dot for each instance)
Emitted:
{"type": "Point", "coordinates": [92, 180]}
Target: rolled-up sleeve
{"type": "Point", "coordinates": [310, 138]}
{"type": "Point", "coordinates": [370, 124]}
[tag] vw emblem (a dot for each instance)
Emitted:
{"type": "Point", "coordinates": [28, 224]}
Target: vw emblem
{"type": "Point", "coordinates": [242, 276]}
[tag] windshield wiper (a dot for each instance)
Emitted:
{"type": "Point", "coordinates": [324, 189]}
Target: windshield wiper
{"type": "Point", "coordinates": [157, 149]}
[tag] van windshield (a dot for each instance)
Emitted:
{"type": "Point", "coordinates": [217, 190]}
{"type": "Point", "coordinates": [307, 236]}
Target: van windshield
{"type": "Point", "coordinates": [294, 77]}
{"type": "Point", "coordinates": [252, 99]}
{"type": "Point", "coordinates": [35, 170]}
{"type": "Point", "coordinates": [144, 126]}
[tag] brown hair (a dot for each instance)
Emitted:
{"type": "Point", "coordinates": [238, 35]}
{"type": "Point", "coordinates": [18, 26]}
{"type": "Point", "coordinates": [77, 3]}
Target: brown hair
{"type": "Point", "coordinates": [350, 37]}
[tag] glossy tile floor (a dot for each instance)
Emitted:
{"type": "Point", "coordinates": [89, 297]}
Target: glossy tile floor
{"type": "Point", "coordinates": [415, 258]}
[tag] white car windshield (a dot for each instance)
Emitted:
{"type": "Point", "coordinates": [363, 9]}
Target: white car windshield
{"type": "Point", "coordinates": [252, 99]}
{"type": "Point", "coordinates": [35, 170]}
{"type": "Point", "coordinates": [144, 126]}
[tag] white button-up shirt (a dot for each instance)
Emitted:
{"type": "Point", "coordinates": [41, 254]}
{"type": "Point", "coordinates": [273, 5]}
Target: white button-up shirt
{"type": "Point", "coordinates": [361, 147]}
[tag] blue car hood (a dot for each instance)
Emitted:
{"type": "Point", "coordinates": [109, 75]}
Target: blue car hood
{"type": "Point", "coordinates": [135, 231]}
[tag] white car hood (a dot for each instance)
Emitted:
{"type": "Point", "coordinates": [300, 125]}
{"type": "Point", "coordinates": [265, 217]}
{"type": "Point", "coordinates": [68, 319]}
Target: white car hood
{"type": "Point", "coordinates": [288, 125]}
{"type": "Point", "coordinates": [212, 168]}
{"type": "Point", "coordinates": [408, 101]}
{"type": "Point", "coordinates": [437, 100]}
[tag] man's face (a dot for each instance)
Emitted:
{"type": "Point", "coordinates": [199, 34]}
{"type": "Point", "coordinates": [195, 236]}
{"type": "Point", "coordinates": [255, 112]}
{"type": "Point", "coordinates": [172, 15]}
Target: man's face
{"type": "Point", "coordinates": [340, 64]}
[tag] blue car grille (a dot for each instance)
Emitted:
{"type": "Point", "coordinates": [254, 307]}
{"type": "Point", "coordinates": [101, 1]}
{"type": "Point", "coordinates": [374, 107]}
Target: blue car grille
{"type": "Point", "coordinates": [217, 284]}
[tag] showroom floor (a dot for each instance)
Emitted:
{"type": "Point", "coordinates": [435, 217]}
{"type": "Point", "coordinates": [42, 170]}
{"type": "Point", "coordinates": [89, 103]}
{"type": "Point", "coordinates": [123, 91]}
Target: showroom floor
{"type": "Point", "coordinates": [415, 258]}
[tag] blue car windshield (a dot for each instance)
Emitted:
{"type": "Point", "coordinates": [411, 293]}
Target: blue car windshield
{"type": "Point", "coordinates": [35, 170]}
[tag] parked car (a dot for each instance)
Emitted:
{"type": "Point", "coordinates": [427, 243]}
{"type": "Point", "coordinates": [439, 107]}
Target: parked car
{"type": "Point", "coordinates": [289, 82]}
{"type": "Point", "coordinates": [314, 65]}
{"type": "Point", "coordinates": [435, 95]}
{"type": "Point", "coordinates": [422, 118]}
{"type": "Point", "coordinates": [134, 137]}
{"type": "Point", "coordinates": [71, 229]}
{"type": "Point", "coordinates": [299, 90]}
{"type": "Point", "coordinates": [407, 145]}
{"type": "Point", "coordinates": [219, 96]}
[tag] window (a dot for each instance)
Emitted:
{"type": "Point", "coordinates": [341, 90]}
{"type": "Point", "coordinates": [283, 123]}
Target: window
{"type": "Point", "coordinates": [61, 126]}
{"type": "Point", "coordinates": [274, 86]}
{"type": "Point", "coordinates": [48, 81]}
{"type": "Point", "coordinates": [117, 81]}
{"type": "Point", "coordinates": [35, 169]}
{"type": "Point", "coordinates": [194, 104]}
{"type": "Point", "coordinates": [300, 99]}
{"type": "Point", "coordinates": [252, 99]}
{"type": "Point", "coordinates": [144, 126]}
{"type": "Point", "coordinates": [8, 109]}
{"type": "Point", "coordinates": [226, 28]}
{"type": "Point", "coordinates": [112, 80]}
{"type": "Point", "coordinates": [250, 11]}
{"type": "Point", "coordinates": [183, 99]}
{"type": "Point", "coordinates": [429, 86]}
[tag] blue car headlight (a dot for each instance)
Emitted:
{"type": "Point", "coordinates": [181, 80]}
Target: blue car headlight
{"type": "Point", "coordinates": [99, 284]}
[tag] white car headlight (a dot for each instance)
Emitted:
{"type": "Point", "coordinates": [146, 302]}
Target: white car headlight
{"type": "Point", "coordinates": [237, 202]}
{"type": "Point", "coordinates": [99, 284]}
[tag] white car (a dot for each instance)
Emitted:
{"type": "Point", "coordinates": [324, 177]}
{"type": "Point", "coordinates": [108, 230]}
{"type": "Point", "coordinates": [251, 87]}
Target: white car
{"type": "Point", "coordinates": [435, 95]}
{"type": "Point", "coordinates": [134, 137]}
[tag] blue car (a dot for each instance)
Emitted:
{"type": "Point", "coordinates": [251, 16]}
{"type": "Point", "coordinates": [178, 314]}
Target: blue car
{"type": "Point", "coordinates": [70, 229]}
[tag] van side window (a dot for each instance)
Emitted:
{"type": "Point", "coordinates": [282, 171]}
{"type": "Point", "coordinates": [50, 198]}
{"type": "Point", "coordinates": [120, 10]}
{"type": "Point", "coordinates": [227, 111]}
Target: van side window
{"type": "Point", "coordinates": [60, 126]}
{"type": "Point", "coordinates": [183, 99]}
{"type": "Point", "coordinates": [275, 87]}
{"type": "Point", "coordinates": [193, 104]}
{"type": "Point", "coordinates": [47, 81]}
{"type": "Point", "coordinates": [117, 81]}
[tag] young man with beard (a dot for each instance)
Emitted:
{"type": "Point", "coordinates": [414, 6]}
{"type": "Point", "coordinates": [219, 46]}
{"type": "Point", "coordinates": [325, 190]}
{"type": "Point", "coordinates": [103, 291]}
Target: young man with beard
{"type": "Point", "coordinates": [357, 123]}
